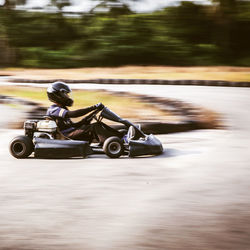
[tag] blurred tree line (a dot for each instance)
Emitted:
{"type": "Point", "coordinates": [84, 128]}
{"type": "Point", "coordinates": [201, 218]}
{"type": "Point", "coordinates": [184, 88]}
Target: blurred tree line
{"type": "Point", "coordinates": [188, 34]}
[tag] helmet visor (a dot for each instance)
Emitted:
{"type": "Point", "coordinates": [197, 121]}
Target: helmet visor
{"type": "Point", "coordinates": [68, 94]}
{"type": "Point", "coordinates": [67, 97]}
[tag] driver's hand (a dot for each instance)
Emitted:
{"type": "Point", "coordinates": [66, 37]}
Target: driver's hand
{"type": "Point", "coordinates": [99, 106]}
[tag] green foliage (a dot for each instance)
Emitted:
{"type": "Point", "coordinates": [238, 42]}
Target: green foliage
{"type": "Point", "coordinates": [189, 34]}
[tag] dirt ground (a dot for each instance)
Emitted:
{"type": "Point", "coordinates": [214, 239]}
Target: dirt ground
{"type": "Point", "coordinates": [135, 72]}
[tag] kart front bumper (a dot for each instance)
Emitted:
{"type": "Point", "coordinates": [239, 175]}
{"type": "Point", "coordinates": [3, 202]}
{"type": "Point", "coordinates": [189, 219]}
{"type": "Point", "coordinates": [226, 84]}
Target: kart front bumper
{"type": "Point", "coordinates": [150, 145]}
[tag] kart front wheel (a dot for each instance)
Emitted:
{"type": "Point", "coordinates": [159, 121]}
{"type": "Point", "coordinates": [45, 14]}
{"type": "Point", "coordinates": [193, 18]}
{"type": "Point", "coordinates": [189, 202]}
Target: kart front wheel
{"type": "Point", "coordinates": [21, 147]}
{"type": "Point", "coordinates": [113, 147]}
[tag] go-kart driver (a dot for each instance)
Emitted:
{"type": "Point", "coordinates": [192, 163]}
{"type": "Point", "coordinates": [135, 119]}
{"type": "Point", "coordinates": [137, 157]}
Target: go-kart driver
{"type": "Point", "coordinates": [58, 93]}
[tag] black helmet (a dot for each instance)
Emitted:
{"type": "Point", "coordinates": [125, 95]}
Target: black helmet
{"type": "Point", "coordinates": [58, 93]}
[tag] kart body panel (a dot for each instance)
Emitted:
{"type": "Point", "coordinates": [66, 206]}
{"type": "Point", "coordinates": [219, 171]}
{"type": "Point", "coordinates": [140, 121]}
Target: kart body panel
{"type": "Point", "coordinates": [47, 148]}
{"type": "Point", "coordinates": [145, 146]}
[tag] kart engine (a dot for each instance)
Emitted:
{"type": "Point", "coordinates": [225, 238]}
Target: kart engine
{"type": "Point", "coordinates": [40, 128]}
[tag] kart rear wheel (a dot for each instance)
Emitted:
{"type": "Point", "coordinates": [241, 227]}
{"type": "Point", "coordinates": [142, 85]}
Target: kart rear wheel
{"type": "Point", "coordinates": [113, 147]}
{"type": "Point", "coordinates": [21, 147]}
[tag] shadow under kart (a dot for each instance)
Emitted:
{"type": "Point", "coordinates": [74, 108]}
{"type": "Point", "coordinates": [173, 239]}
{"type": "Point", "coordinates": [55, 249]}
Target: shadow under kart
{"type": "Point", "coordinates": [40, 138]}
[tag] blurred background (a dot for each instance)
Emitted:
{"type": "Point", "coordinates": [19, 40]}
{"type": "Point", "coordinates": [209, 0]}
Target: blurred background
{"type": "Point", "coordinates": [90, 33]}
{"type": "Point", "coordinates": [193, 196]}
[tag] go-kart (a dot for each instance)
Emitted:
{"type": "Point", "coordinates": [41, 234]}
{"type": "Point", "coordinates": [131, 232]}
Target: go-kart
{"type": "Point", "coordinates": [44, 139]}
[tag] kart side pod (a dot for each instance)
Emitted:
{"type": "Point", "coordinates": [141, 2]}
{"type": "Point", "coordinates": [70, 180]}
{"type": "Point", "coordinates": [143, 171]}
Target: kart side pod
{"type": "Point", "coordinates": [46, 148]}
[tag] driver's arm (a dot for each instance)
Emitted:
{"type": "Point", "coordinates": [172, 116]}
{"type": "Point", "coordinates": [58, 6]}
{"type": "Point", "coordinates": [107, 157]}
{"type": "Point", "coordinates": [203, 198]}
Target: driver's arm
{"type": "Point", "coordinates": [81, 112]}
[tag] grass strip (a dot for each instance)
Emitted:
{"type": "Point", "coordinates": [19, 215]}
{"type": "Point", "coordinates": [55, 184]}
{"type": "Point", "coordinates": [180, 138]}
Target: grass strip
{"type": "Point", "coordinates": [130, 108]}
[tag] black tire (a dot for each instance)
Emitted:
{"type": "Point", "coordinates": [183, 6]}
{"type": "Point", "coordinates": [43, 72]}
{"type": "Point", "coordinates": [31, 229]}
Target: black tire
{"type": "Point", "coordinates": [113, 147]}
{"type": "Point", "coordinates": [21, 147]}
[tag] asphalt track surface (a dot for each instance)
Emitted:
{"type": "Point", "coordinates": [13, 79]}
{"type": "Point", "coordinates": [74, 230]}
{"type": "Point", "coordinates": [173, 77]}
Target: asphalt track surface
{"type": "Point", "coordinates": [194, 196]}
